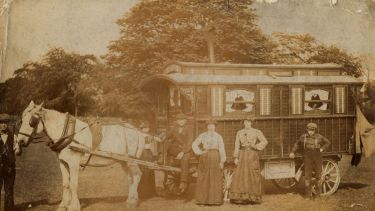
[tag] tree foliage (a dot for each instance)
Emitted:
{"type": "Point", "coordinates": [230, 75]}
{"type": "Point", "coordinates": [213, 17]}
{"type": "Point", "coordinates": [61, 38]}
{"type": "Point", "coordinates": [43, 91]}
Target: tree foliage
{"type": "Point", "coordinates": [305, 49]}
{"type": "Point", "coordinates": [152, 34]}
{"type": "Point", "coordinates": [58, 80]}
{"type": "Point", "coordinates": [155, 32]}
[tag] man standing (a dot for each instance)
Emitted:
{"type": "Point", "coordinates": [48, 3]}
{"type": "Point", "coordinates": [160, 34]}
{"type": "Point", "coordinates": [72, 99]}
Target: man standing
{"type": "Point", "coordinates": [180, 140]}
{"type": "Point", "coordinates": [313, 144]}
{"type": "Point", "coordinates": [7, 163]}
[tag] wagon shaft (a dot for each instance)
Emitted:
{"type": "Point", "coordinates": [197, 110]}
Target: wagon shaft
{"type": "Point", "coordinates": [125, 158]}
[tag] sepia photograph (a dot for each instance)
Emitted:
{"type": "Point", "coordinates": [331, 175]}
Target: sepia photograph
{"type": "Point", "coordinates": [187, 105]}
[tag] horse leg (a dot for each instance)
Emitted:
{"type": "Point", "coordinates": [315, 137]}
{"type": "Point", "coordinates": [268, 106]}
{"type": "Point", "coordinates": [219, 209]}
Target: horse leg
{"type": "Point", "coordinates": [134, 176]}
{"type": "Point", "coordinates": [66, 196]}
{"type": "Point", "coordinates": [74, 172]}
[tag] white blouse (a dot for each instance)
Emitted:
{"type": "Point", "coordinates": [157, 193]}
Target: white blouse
{"type": "Point", "coordinates": [210, 140]}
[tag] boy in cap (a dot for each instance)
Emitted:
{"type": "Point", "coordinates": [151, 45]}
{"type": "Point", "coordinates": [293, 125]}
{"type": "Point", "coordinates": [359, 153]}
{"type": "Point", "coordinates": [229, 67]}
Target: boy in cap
{"type": "Point", "coordinates": [180, 140]}
{"type": "Point", "coordinates": [313, 144]}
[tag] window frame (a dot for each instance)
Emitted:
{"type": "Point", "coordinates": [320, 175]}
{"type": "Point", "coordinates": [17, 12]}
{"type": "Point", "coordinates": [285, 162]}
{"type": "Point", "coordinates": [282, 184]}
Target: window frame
{"type": "Point", "coordinates": [291, 99]}
{"type": "Point", "coordinates": [329, 101]}
{"type": "Point", "coordinates": [259, 96]}
{"type": "Point", "coordinates": [346, 98]}
{"type": "Point", "coordinates": [253, 89]}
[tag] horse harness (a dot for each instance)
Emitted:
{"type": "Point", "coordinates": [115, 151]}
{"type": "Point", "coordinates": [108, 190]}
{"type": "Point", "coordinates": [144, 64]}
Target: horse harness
{"type": "Point", "coordinates": [66, 137]}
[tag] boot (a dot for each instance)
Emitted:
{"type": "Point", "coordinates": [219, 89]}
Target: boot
{"type": "Point", "coordinates": [318, 188]}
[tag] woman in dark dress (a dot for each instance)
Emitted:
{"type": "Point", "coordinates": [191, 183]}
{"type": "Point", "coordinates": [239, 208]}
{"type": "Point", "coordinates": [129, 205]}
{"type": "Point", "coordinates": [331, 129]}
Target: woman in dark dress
{"type": "Point", "coordinates": [212, 156]}
{"type": "Point", "coordinates": [246, 183]}
{"type": "Point", "coordinates": [146, 187]}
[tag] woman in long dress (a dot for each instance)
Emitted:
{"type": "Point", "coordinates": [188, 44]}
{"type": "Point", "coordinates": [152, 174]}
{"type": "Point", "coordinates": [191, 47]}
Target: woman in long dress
{"type": "Point", "coordinates": [210, 148]}
{"type": "Point", "coordinates": [146, 187]}
{"type": "Point", "coordinates": [246, 182]}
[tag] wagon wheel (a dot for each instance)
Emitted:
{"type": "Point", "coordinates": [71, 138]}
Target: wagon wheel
{"type": "Point", "coordinates": [227, 181]}
{"type": "Point", "coordinates": [172, 182]}
{"type": "Point", "coordinates": [285, 183]}
{"type": "Point", "coordinates": [330, 177]}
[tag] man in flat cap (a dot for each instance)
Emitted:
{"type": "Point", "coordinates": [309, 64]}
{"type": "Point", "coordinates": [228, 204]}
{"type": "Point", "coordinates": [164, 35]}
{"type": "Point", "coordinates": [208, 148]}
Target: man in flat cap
{"type": "Point", "coordinates": [312, 144]}
{"type": "Point", "coordinates": [180, 140]}
{"type": "Point", "coordinates": [7, 162]}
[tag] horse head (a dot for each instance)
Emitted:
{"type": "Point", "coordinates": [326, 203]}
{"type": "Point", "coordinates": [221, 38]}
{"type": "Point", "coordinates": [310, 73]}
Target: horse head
{"type": "Point", "coordinates": [31, 122]}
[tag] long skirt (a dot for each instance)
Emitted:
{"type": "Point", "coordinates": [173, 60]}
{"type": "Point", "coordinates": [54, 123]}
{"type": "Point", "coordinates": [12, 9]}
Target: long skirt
{"type": "Point", "coordinates": [209, 189]}
{"type": "Point", "coordinates": [246, 182]}
{"type": "Point", "coordinates": [146, 187]}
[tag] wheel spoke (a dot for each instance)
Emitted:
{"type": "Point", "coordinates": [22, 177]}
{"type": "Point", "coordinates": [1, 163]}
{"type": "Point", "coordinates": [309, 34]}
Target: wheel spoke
{"type": "Point", "coordinates": [333, 167]}
{"type": "Point", "coordinates": [326, 167]}
{"type": "Point", "coordinates": [329, 186]}
{"type": "Point", "coordinates": [333, 175]}
{"type": "Point", "coordinates": [324, 188]}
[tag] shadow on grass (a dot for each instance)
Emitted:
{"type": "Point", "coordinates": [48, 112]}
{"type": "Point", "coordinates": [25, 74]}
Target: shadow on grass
{"type": "Point", "coordinates": [85, 202]}
{"type": "Point", "coordinates": [352, 185]}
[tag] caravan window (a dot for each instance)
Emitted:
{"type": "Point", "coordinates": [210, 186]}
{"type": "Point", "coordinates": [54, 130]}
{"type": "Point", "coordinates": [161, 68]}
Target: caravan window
{"type": "Point", "coordinates": [317, 100]}
{"type": "Point", "coordinates": [265, 101]}
{"type": "Point", "coordinates": [340, 99]}
{"type": "Point", "coordinates": [296, 100]}
{"type": "Point", "coordinates": [239, 101]}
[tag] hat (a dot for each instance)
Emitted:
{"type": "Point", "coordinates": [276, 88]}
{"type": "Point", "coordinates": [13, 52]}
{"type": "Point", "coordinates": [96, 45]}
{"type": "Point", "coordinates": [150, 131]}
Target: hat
{"type": "Point", "coordinates": [145, 125]}
{"type": "Point", "coordinates": [181, 116]}
{"type": "Point", "coordinates": [312, 125]}
{"type": "Point", "coordinates": [211, 121]}
{"type": "Point", "coordinates": [249, 118]}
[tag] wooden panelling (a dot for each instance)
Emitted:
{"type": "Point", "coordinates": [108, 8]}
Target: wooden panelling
{"type": "Point", "coordinates": [283, 133]}
{"type": "Point", "coordinates": [284, 101]}
{"type": "Point", "coordinates": [275, 100]}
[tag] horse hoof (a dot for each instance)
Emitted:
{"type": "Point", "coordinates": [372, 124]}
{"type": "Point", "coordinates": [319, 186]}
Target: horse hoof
{"type": "Point", "coordinates": [61, 209]}
{"type": "Point", "coordinates": [131, 205]}
{"type": "Point", "coordinates": [72, 209]}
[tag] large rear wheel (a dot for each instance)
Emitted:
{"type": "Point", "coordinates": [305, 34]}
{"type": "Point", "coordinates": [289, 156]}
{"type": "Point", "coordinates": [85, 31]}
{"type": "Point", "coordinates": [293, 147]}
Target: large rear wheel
{"type": "Point", "coordinates": [172, 184]}
{"type": "Point", "coordinates": [285, 184]}
{"type": "Point", "coordinates": [330, 177]}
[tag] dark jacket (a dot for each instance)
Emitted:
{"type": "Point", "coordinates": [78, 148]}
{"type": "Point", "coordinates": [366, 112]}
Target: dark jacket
{"type": "Point", "coordinates": [308, 142]}
{"type": "Point", "coordinates": [181, 141]}
{"type": "Point", "coordinates": [7, 154]}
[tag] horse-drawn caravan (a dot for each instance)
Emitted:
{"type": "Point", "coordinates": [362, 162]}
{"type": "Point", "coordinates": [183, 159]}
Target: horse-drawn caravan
{"type": "Point", "coordinates": [281, 98]}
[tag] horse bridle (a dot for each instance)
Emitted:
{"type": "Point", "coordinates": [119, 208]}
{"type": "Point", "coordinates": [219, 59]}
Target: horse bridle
{"type": "Point", "coordinates": [34, 122]}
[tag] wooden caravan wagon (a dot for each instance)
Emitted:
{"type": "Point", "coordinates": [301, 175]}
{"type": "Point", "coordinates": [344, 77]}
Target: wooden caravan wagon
{"type": "Point", "coordinates": [281, 98]}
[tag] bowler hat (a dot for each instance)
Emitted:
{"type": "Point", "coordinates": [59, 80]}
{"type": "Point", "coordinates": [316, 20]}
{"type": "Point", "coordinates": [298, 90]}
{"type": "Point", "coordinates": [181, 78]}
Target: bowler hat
{"type": "Point", "coordinates": [312, 125]}
{"type": "Point", "coordinates": [181, 116]}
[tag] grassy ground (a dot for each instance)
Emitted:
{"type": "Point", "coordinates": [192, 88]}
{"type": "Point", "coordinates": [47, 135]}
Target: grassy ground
{"type": "Point", "coordinates": [38, 187]}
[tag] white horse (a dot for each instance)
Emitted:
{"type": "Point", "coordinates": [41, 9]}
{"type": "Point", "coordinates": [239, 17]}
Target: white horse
{"type": "Point", "coordinates": [36, 119]}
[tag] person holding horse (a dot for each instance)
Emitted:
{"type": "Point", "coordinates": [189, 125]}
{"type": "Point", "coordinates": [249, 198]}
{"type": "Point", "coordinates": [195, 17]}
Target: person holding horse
{"type": "Point", "coordinates": [147, 187]}
{"type": "Point", "coordinates": [180, 140]}
{"type": "Point", "coordinates": [8, 149]}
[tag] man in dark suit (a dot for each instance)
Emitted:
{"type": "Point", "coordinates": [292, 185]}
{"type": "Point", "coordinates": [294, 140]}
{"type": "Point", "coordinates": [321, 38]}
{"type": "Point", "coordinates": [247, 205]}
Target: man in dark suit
{"type": "Point", "coordinates": [7, 162]}
{"type": "Point", "coordinates": [180, 140]}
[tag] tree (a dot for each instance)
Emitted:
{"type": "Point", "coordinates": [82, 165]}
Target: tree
{"type": "Point", "coordinates": [305, 49]}
{"type": "Point", "coordinates": [55, 80]}
{"type": "Point", "coordinates": [156, 32]}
